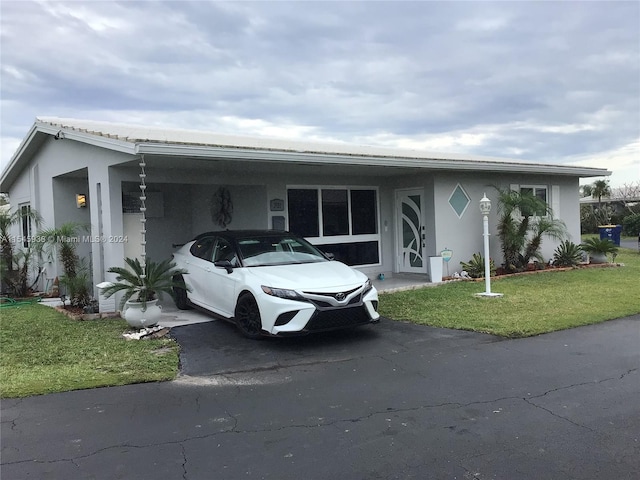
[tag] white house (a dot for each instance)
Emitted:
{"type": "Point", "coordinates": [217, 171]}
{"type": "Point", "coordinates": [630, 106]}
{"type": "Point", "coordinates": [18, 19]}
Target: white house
{"type": "Point", "coordinates": [381, 210]}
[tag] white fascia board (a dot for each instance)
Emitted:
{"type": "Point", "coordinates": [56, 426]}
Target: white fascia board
{"type": "Point", "coordinates": [89, 138]}
{"type": "Point", "coordinates": [18, 154]}
{"type": "Point", "coordinates": [257, 155]}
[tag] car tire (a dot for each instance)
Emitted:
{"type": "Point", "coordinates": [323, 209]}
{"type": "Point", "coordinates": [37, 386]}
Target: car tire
{"type": "Point", "coordinates": [247, 317]}
{"type": "Point", "coordinates": [180, 295]}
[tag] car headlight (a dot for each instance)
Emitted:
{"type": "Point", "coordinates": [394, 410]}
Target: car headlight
{"type": "Point", "coordinates": [367, 286]}
{"type": "Point", "coordinates": [283, 293]}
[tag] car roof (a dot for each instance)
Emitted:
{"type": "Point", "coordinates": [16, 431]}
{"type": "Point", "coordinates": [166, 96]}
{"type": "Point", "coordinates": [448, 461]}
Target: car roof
{"type": "Point", "coordinates": [235, 234]}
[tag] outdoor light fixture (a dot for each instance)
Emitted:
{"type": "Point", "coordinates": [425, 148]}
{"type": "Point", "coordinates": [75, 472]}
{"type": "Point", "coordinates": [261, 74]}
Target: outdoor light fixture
{"type": "Point", "coordinates": [81, 200]}
{"type": "Point", "coordinates": [485, 209]}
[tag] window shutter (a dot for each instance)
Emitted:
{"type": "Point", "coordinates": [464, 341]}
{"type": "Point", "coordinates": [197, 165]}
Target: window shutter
{"type": "Point", "coordinates": [514, 187]}
{"type": "Point", "coordinates": [555, 200]}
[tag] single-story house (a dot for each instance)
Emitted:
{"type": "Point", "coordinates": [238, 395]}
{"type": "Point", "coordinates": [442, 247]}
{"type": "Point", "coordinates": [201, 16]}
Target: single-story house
{"type": "Point", "coordinates": [381, 210]}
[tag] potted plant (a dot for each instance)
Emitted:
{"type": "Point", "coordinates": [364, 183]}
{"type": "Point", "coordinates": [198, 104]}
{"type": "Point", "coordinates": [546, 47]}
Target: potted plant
{"type": "Point", "coordinates": [598, 249]}
{"type": "Point", "coordinates": [143, 287]}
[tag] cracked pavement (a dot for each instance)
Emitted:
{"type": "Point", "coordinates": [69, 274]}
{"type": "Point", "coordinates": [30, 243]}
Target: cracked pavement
{"type": "Point", "coordinates": [389, 401]}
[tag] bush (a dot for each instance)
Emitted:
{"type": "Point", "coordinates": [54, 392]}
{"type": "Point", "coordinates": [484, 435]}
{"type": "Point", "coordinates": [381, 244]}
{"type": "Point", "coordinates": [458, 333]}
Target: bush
{"type": "Point", "coordinates": [475, 266]}
{"type": "Point", "coordinates": [631, 225]}
{"type": "Point", "coordinates": [568, 254]}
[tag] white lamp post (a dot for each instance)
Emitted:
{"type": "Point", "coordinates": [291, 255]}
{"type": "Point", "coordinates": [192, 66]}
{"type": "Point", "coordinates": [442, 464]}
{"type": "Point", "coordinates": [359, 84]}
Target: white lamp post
{"type": "Point", "coordinates": [485, 208]}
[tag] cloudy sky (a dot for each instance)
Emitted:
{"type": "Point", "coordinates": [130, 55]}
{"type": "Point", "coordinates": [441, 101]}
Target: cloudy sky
{"type": "Point", "coordinates": [554, 82]}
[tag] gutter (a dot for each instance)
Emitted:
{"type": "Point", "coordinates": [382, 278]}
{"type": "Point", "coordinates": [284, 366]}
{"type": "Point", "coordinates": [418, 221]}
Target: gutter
{"type": "Point", "coordinates": [260, 155]}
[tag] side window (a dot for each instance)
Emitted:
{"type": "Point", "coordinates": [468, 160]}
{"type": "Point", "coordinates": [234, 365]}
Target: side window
{"type": "Point", "coordinates": [203, 248]}
{"type": "Point", "coordinates": [25, 213]}
{"type": "Point", "coordinates": [537, 191]}
{"type": "Point", "coordinates": [224, 251]}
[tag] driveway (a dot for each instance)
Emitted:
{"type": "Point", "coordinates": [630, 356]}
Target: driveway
{"type": "Point", "coordinates": [391, 401]}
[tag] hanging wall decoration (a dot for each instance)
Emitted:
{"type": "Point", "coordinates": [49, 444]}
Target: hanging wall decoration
{"type": "Point", "coordinates": [221, 207]}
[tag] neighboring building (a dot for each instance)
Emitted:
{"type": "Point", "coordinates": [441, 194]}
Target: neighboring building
{"type": "Point", "coordinates": [381, 210]}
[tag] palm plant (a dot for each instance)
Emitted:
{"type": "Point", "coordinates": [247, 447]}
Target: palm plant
{"type": "Point", "coordinates": [599, 248]}
{"type": "Point", "coordinates": [568, 254]}
{"type": "Point", "coordinates": [475, 266]}
{"type": "Point", "coordinates": [599, 189]}
{"type": "Point", "coordinates": [63, 239]}
{"type": "Point", "coordinates": [145, 284]}
{"type": "Point", "coordinates": [524, 220]}
{"type": "Point", "coordinates": [15, 263]}
{"type": "Point", "coordinates": [542, 226]}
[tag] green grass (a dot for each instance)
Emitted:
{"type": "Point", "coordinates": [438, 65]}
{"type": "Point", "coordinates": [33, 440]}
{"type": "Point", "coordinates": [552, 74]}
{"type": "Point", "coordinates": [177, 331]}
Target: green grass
{"type": "Point", "coordinates": [43, 351]}
{"type": "Point", "coordinates": [532, 304]}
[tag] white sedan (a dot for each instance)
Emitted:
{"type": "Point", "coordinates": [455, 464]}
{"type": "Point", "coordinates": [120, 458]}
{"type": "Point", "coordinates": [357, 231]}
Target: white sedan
{"type": "Point", "coordinates": [273, 283]}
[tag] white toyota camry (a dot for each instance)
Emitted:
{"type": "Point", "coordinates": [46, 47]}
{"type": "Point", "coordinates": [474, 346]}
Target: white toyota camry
{"type": "Point", "coordinates": [273, 283]}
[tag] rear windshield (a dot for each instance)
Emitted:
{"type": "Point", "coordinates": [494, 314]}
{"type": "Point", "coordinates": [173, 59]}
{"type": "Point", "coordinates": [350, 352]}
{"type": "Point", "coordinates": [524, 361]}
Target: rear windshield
{"type": "Point", "coordinates": [274, 250]}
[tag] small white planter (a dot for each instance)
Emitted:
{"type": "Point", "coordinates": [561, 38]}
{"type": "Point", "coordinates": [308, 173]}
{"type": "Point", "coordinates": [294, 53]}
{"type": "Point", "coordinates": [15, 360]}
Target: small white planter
{"type": "Point", "coordinates": [598, 258]}
{"type": "Point", "coordinates": [138, 317]}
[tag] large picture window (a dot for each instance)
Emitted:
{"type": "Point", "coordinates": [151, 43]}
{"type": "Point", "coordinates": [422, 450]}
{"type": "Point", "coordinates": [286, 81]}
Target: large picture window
{"type": "Point", "coordinates": [340, 220]}
{"type": "Point", "coordinates": [303, 212]}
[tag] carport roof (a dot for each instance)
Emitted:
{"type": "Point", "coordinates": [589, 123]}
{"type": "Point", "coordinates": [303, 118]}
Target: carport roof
{"type": "Point", "coordinates": [138, 140]}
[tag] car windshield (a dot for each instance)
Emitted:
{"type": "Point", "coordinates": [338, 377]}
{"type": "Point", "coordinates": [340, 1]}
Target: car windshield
{"type": "Point", "coordinates": [277, 250]}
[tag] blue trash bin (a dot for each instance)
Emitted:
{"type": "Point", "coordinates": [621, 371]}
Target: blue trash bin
{"type": "Point", "coordinates": [611, 232]}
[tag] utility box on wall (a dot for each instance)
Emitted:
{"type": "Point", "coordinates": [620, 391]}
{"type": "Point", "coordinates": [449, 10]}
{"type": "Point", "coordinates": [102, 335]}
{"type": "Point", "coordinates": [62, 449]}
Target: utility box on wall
{"type": "Point", "coordinates": [105, 305]}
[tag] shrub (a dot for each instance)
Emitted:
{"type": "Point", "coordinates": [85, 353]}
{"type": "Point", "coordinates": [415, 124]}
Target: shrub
{"type": "Point", "coordinates": [631, 225]}
{"type": "Point", "coordinates": [568, 254]}
{"type": "Point", "coordinates": [475, 266]}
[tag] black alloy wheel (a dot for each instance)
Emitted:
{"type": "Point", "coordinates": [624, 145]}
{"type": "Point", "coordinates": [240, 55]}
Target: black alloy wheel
{"type": "Point", "coordinates": [180, 294]}
{"type": "Point", "coordinates": [248, 317]}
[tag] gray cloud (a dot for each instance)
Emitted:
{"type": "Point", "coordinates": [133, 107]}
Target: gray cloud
{"type": "Point", "coordinates": [545, 81]}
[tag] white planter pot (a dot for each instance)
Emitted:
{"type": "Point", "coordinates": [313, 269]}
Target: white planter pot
{"type": "Point", "coordinates": [598, 258]}
{"type": "Point", "coordinates": [137, 317]}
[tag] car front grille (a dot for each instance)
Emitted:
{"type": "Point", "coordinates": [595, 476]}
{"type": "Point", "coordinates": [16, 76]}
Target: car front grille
{"type": "Point", "coordinates": [322, 304]}
{"type": "Point", "coordinates": [338, 318]}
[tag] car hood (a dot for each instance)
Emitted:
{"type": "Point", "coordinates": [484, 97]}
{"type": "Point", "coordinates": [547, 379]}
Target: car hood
{"type": "Point", "coordinates": [322, 276]}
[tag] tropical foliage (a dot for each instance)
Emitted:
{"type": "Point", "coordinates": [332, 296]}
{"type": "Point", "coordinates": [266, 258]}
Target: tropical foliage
{"type": "Point", "coordinates": [524, 220]}
{"type": "Point", "coordinates": [19, 264]}
{"type": "Point", "coordinates": [631, 224]}
{"type": "Point", "coordinates": [145, 283]}
{"type": "Point", "coordinates": [597, 245]}
{"type": "Point", "coordinates": [568, 254]}
{"type": "Point", "coordinates": [475, 266]}
{"type": "Point", "coordinates": [63, 241]}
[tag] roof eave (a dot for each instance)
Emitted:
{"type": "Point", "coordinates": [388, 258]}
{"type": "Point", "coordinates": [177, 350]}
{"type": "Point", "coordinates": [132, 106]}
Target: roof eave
{"type": "Point", "coordinates": [262, 155]}
{"type": "Point", "coordinates": [18, 160]}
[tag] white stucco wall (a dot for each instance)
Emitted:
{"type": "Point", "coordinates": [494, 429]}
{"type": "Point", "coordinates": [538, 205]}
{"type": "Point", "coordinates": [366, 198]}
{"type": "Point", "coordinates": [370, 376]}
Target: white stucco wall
{"type": "Point", "coordinates": [186, 197]}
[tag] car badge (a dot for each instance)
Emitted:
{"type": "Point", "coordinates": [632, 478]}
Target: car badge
{"type": "Point", "coordinates": [340, 296]}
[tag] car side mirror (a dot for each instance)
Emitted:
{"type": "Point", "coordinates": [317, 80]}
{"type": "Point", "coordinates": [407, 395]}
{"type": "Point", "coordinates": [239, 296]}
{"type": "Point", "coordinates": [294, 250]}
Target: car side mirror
{"type": "Point", "coordinates": [226, 264]}
{"type": "Point", "coordinates": [330, 256]}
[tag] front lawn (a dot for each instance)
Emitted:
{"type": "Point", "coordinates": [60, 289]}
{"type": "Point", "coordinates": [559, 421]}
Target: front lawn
{"type": "Point", "coordinates": [532, 304]}
{"type": "Point", "coordinates": [43, 351]}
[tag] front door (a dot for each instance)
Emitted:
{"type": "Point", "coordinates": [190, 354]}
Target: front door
{"type": "Point", "coordinates": [411, 234]}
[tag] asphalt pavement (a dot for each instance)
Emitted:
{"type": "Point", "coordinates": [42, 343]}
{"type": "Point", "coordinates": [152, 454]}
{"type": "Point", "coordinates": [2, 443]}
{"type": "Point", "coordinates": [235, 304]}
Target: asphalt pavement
{"type": "Point", "coordinates": [387, 401]}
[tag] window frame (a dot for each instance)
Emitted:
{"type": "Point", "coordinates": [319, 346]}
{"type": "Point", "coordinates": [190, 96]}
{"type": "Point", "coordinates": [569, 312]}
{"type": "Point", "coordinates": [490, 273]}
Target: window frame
{"type": "Point", "coordinates": [534, 188]}
{"type": "Point", "coordinates": [350, 237]}
{"type": "Point", "coordinates": [25, 223]}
